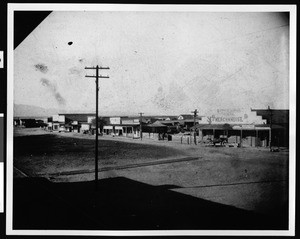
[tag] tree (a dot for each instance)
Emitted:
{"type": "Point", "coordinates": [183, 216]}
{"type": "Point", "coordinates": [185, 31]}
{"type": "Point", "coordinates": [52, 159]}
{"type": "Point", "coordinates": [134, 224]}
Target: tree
{"type": "Point", "coordinates": [101, 122]}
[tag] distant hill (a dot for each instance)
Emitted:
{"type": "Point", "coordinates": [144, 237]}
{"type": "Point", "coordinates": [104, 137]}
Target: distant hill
{"type": "Point", "coordinates": [21, 110]}
{"type": "Point", "coordinates": [30, 110]}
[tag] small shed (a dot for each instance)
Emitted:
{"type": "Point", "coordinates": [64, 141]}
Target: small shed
{"type": "Point", "coordinates": [156, 127]}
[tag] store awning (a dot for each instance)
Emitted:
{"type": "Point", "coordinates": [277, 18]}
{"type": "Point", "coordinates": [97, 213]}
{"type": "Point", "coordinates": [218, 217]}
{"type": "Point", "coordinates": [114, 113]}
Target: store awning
{"type": "Point", "coordinates": [212, 126]}
{"type": "Point", "coordinates": [107, 127]}
{"type": "Point", "coordinates": [274, 126]}
{"type": "Point", "coordinates": [243, 127]}
{"type": "Point", "coordinates": [256, 127]}
{"type": "Point", "coordinates": [119, 127]}
{"type": "Point", "coordinates": [235, 127]}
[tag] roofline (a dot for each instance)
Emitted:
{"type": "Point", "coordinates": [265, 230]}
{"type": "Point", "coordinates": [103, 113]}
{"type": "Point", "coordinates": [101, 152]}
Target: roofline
{"type": "Point", "coordinates": [76, 113]}
{"type": "Point", "coordinates": [270, 109]}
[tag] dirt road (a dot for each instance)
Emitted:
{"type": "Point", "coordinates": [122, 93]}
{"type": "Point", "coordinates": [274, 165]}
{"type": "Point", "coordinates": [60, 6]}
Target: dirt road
{"type": "Point", "coordinates": [246, 178]}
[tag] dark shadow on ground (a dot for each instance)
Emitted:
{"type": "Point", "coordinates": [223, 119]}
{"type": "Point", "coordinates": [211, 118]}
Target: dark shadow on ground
{"type": "Point", "coordinates": [124, 204]}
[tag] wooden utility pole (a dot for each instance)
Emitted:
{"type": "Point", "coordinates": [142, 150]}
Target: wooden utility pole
{"type": "Point", "coordinates": [141, 122]}
{"type": "Point", "coordinates": [270, 134]}
{"type": "Point", "coordinates": [195, 115]}
{"type": "Point", "coordinates": [97, 76]}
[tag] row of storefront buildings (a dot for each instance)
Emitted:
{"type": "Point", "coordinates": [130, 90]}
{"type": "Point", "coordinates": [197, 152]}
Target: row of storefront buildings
{"type": "Point", "coordinates": [253, 127]}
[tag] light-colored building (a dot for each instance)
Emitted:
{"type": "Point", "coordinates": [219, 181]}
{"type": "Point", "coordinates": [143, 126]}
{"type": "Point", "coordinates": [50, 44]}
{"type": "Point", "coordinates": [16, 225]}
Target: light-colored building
{"type": "Point", "coordinates": [56, 123]}
{"type": "Point", "coordinates": [115, 120]}
{"type": "Point", "coordinates": [185, 117]}
{"type": "Point", "coordinates": [85, 126]}
{"type": "Point", "coordinates": [123, 126]}
{"type": "Point", "coordinates": [233, 117]}
{"type": "Point", "coordinates": [238, 126]}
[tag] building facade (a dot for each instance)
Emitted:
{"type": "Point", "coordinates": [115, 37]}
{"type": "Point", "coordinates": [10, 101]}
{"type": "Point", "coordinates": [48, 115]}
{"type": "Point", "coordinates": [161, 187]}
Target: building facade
{"type": "Point", "coordinates": [245, 127]}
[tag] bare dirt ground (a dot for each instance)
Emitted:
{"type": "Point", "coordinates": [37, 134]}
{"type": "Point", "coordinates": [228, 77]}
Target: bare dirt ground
{"type": "Point", "coordinates": [44, 153]}
{"type": "Point", "coordinates": [252, 179]}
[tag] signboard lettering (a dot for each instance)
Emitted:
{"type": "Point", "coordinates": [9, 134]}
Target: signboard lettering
{"type": "Point", "coordinates": [222, 119]}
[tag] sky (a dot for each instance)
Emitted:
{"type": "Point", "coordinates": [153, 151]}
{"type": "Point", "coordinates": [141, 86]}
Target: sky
{"type": "Point", "coordinates": [160, 62]}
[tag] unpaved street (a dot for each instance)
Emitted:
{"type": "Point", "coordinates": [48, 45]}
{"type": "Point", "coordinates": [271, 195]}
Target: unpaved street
{"type": "Point", "coordinates": [247, 178]}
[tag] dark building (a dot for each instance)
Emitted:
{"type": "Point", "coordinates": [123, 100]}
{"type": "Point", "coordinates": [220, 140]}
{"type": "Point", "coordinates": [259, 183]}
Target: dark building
{"type": "Point", "coordinates": [275, 118]}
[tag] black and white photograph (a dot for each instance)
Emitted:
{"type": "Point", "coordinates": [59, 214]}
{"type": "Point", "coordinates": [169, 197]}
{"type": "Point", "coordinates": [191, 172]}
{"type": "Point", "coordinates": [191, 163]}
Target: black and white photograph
{"type": "Point", "coordinates": [151, 119]}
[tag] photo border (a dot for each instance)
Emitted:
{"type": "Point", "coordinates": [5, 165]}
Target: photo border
{"type": "Point", "coordinates": [148, 8]}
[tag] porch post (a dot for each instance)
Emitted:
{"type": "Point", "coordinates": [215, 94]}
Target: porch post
{"type": "Point", "coordinates": [256, 138]}
{"type": "Point", "coordinates": [241, 139]}
{"type": "Point", "coordinates": [270, 135]}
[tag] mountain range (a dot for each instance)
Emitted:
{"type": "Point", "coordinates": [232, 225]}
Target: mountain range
{"type": "Point", "coordinates": [21, 110]}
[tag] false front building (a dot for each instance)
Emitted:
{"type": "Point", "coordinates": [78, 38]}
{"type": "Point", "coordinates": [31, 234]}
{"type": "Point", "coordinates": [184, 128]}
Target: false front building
{"type": "Point", "coordinates": [243, 127]}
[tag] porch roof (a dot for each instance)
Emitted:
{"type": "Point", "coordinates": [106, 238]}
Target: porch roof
{"type": "Point", "coordinates": [213, 126]}
{"type": "Point", "coordinates": [236, 127]}
{"type": "Point", "coordinates": [157, 124]}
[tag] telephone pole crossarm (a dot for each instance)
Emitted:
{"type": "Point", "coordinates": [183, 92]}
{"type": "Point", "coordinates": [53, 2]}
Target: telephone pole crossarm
{"type": "Point", "coordinates": [100, 76]}
{"type": "Point", "coordinates": [94, 68]}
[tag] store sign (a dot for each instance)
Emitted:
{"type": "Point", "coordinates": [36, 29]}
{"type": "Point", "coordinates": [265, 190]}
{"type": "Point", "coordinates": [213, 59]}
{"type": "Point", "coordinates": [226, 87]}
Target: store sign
{"type": "Point", "coordinates": [233, 116]}
{"type": "Point", "coordinates": [115, 120]}
{"type": "Point", "coordinates": [90, 119]}
{"type": "Point", "coordinates": [225, 119]}
{"type": "Point", "coordinates": [131, 121]}
{"type": "Point", "coordinates": [58, 118]}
